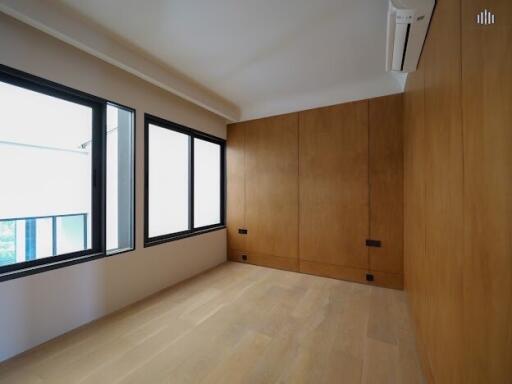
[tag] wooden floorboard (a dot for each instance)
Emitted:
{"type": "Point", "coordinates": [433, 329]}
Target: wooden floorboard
{"type": "Point", "coordinates": [238, 323]}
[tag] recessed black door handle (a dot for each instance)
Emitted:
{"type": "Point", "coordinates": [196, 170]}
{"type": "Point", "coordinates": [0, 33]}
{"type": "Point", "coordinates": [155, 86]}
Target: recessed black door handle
{"type": "Point", "coordinates": [373, 243]}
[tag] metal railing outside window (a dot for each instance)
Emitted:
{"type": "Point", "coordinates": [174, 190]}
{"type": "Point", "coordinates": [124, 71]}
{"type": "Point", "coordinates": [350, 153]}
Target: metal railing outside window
{"type": "Point", "coordinates": [63, 233]}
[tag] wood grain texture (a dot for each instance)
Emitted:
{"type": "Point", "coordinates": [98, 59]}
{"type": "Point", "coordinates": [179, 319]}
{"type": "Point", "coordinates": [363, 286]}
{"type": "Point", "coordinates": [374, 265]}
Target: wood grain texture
{"type": "Point", "coordinates": [333, 152]}
{"type": "Point", "coordinates": [235, 171]}
{"type": "Point", "coordinates": [381, 279]}
{"type": "Point", "coordinates": [271, 185]}
{"type": "Point", "coordinates": [386, 183]}
{"type": "Point", "coordinates": [444, 192]}
{"type": "Point", "coordinates": [271, 261]}
{"type": "Point", "coordinates": [334, 185]}
{"type": "Point", "coordinates": [434, 198]}
{"type": "Point", "coordinates": [237, 324]}
{"type": "Point", "coordinates": [417, 269]}
{"type": "Point", "coordinates": [458, 203]}
{"type": "Point", "coordinates": [487, 120]}
{"type": "Point", "coordinates": [387, 279]}
{"type": "Point", "coordinates": [334, 271]}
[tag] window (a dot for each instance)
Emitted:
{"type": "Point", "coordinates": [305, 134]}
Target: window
{"type": "Point", "coordinates": [184, 181]}
{"type": "Point", "coordinates": [120, 179]}
{"type": "Point", "coordinates": [53, 190]}
{"type": "Point", "coordinates": [168, 180]}
{"type": "Point", "coordinates": [207, 183]}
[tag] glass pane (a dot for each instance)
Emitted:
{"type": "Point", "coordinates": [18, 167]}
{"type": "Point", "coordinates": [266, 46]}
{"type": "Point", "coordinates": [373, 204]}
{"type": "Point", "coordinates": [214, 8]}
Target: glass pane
{"type": "Point", "coordinates": [46, 157]}
{"type": "Point", "coordinates": [207, 183]}
{"type": "Point", "coordinates": [7, 242]}
{"type": "Point", "coordinates": [21, 244]}
{"type": "Point", "coordinates": [119, 179]}
{"type": "Point", "coordinates": [44, 238]}
{"type": "Point", "coordinates": [71, 233]}
{"type": "Point", "coordinates": [168, 181]}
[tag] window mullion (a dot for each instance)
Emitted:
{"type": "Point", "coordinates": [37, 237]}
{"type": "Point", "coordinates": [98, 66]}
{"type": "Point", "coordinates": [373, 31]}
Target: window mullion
{"type": "Point", "coordinates": [98, 218]}
{"type": "Point", "coordinates": [191, 183]}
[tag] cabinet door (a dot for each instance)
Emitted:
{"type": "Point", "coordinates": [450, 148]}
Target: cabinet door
{"type": "Point", "coordinates": [386, 187]}
{"type": "Point", "coordinates": [487, 124]}
{"type": "Point", "coordinates": [235, 166]}
{"type": "Point", "coordinates": [334, 191]}
{"type": "Point", "coordinates": [271, 190]}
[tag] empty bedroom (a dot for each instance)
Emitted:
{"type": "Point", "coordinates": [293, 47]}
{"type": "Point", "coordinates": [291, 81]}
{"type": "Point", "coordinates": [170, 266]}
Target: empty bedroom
{"type": "Point", "coordinates": [243, 191]}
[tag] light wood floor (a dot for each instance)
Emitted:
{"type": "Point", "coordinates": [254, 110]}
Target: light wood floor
{"type": "Point", "coordinates": [238, 324]}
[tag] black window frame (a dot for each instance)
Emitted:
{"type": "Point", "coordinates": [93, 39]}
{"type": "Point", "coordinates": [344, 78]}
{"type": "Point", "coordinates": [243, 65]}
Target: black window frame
{"type": "Point", "coordinates": [192, 134]}
{"type": "Point", "coordinates": [98, 174]}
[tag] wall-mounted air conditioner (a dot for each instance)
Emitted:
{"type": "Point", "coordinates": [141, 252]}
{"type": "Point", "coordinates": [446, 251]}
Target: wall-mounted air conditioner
{"type": "Point", "coordinates": [408, 22]}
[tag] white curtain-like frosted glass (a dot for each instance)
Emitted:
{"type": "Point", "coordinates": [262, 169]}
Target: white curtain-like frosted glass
{"type": "Point", "coordinates": [168, 181]}
{"type": "Point", "coordinates": [207, 179]}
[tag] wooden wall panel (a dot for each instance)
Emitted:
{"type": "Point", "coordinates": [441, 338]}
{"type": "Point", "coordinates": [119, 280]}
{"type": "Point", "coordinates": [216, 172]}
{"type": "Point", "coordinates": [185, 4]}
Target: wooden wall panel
{"type": "Point", "coordinates": [444, 191]}
{"type": "Point", "coordinates": [458, 195]}
{"type": "Point", "coordinates": [417, 270]}
{"type": "Point", "coordinates": [271, 188]}
{"type": "Point", "coordinates": [235, 170]}
{"type": "Point", "coordinates": [323, 154]}
{"type": "Point", "coordinates": [386, 183]}
{"type": "Point", "coordinates": [487, 120]}
{"type": "Point", "coordinates": [334, 185]}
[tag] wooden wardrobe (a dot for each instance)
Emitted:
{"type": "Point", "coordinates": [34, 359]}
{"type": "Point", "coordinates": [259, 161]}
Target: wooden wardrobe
{"type": "Point", "coordinates": [320, 191]}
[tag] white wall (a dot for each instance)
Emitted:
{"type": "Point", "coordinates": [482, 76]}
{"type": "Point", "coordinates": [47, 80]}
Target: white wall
{"type": "Point", "coordinates": [37, 308]}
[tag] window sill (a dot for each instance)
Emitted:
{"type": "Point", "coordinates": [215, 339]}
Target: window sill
{"type": "Point", "coordinates": [151, 242]}
{"type": "Point", "coordinates": [49, 266]}
{"type": "Point", "coordinates": [15, 274]}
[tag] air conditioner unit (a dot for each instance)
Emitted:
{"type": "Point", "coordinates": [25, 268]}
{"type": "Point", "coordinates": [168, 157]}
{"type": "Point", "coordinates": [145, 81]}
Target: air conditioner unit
{"type": "Point", "coordinates": [408, 22]}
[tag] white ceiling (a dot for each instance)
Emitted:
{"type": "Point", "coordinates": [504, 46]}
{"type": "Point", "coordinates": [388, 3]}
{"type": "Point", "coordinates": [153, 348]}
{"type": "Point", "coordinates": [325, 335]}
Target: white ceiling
{"type": "Point", "coordinates": [265, 56]}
